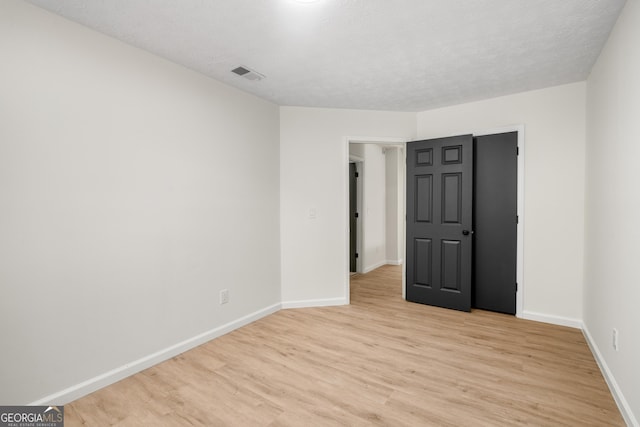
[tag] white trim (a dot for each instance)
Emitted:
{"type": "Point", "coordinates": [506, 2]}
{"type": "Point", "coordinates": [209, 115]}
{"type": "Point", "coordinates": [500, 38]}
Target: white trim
{"type": "Point", "coordinates": [374, 140]}
{"type": "Point", "coordinates": [370, 268]}
{"type": "Point", "coordinates": [394, 261]}
{"type": "Point", "coordinates": [623, 405]}
{"type": "Point", "coordinates": [89, 386]}
{"type": "Point", "coordinates": [553, 319]}
{"type": "Point", "coordinates": [327, 302]}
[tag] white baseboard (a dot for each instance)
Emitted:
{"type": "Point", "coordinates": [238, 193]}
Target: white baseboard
{"type": "Point", "coordinates": [82, 389]}
{"type": "Point", "coordinates": [315, 303]}
{"type": "Point", "coordinates": [549, 318]}
{"type": "Point", "coordinates": [370, 268]}
{"type": "Point", "coordinates": [394, 261]}
{"type": "Point", "coordinates": [89, 386]}
{"type": "Point", "coordinates": [623, 405]}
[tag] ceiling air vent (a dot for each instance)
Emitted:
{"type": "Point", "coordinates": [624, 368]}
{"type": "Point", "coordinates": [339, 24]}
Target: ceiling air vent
{"type": "Point", "coordinates": [247, 73]}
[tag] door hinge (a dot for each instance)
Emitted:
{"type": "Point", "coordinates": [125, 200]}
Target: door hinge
{"type": "Point", "coordinates": [517, 219]}
{"type": "Point", "coordinates": [516, 286]}
{"type": "Point", "coordinates": [357, 214]}
{"type": "Point", "coordinates": [357, 174]}
{"type": "Point", "coordinates": [357, 255]}
{"type": "Point", "coordinates": [517, 151]}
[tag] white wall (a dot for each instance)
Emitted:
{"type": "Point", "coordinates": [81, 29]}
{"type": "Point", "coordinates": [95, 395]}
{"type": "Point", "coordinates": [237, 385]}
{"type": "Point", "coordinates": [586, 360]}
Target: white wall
{"type": "Point", "coordinates": [374, 209]}
{"type": "Point", "coordinates": [131, 191]}
{"type": "Point", "coordinates": [612, 287]}
{"type": "Point", "coordinates": [371, 253]}
{"type": "Point", "coordinates": [554, 121]}
{"type": "Point", "coordinates": [391, 204]}
{"type": "Point", "coordinates": [119, 222]}
{"type": "Point", "coordinates": [357, 150]}
{"type": "Point", "coordinates": [394, 187]}
{"type": "Point", "coordinates": [313, 174]}
{"type": "Point", "coordinates": [402, 189]}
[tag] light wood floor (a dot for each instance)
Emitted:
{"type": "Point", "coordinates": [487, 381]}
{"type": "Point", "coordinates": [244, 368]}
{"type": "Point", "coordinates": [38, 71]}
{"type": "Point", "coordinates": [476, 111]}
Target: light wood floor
{"type": "Point", "coordinates": [379, 361]}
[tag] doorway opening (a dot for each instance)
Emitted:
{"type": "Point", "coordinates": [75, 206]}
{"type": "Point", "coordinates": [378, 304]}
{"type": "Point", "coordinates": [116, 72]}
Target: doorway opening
{"type": "Point", "coordinates": [375, 226]}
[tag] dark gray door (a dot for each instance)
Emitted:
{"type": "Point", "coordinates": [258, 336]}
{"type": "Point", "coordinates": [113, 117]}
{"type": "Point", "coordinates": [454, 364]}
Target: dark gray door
{"type": "Point", "coordinates": [439, 220]}
{"type": "Point", "coordinates": [353, 216]}
{"type": "Point", "coordinates": [495, 222]}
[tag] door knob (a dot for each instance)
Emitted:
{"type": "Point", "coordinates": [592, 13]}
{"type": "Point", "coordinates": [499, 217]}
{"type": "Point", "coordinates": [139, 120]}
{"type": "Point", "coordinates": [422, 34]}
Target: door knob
{"type": "Point", "coordinates": [467, 232]}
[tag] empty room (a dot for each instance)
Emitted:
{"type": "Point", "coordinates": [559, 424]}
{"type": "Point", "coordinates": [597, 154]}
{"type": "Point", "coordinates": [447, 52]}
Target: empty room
{"type": "Point", "coordinates": [320, 212]}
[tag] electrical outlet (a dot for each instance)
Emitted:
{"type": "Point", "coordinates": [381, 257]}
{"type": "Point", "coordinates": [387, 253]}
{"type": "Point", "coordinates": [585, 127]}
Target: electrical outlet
{"type": "Point", "coordinates": [224, 296]}
{"type": "Point", "coordinates": [615, 339]}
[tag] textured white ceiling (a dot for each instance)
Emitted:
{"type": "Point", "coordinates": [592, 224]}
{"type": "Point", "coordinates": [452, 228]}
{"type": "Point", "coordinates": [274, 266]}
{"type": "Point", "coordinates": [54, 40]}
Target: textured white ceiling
{"type": "Point", "coordinates": [402, 55]}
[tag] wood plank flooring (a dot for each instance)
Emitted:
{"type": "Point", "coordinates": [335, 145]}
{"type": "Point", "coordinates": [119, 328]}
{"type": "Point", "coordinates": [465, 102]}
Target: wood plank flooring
{"type": "Point", "coordinates": [378, 361]}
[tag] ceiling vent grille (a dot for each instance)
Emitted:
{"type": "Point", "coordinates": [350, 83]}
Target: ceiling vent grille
{"type": "Point", "coordinates": [247, 73]}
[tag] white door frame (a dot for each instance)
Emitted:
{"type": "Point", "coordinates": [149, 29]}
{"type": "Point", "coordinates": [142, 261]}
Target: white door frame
{"type": "Point", "coordinates": [345, 167]}
{"type": "Point", "coordinates": [520, 293]}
